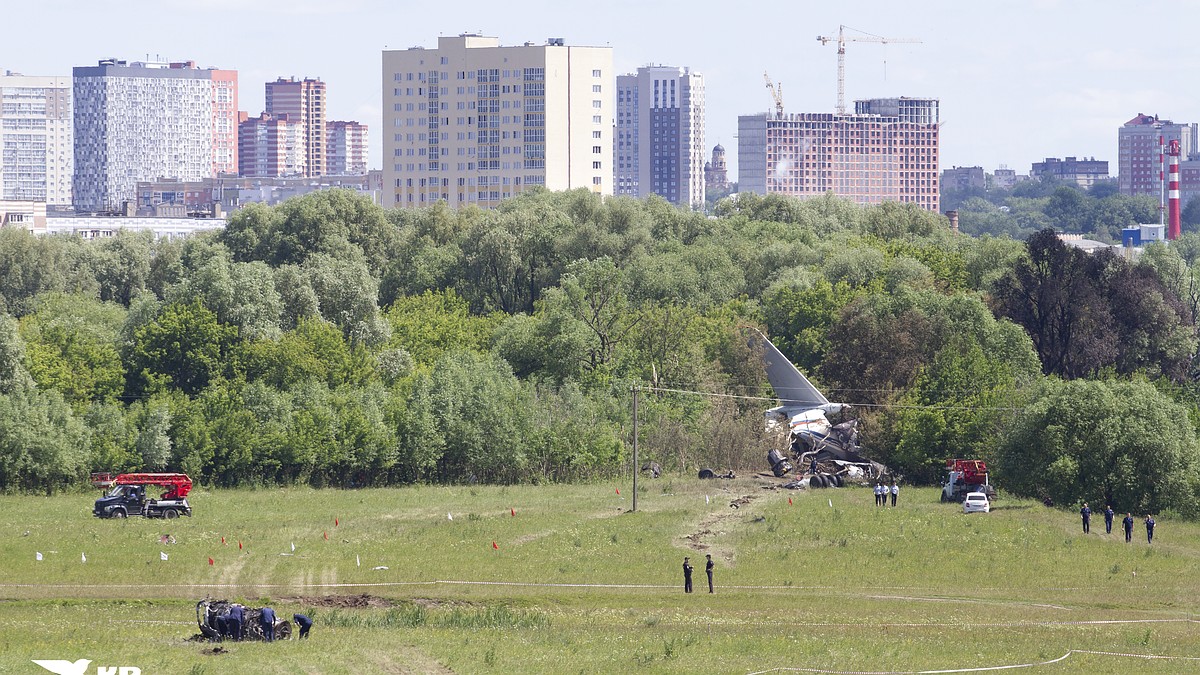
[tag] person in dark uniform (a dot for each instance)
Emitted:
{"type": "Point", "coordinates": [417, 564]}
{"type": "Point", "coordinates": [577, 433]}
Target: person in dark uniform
{"type": "Point", "coordinates": [234, 621]}
{"type": "Point", "coordinates": [1128, 523]}
{"type": "Point", "coordinates": [1149, 529]}
{"type": "Point", "coordinates": [687, 575]}
{"type": "Point", "coordinates": [1108, 518]}
{"type": "Point", "coordinates": [708, 569]}
{"type": "Point", "coordinates": [267, 620]}
{"type": "Point", "coordinates": [1086, 513]}
{"type": "Point", "coordinates": [305, 624]}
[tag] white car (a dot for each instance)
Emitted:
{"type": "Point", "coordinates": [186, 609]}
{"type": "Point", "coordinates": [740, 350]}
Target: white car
{"type": "Point", "coordinates": [976, 502]}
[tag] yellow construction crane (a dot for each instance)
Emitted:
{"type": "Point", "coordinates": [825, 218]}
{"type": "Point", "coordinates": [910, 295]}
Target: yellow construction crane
{"type": "Point", "coordinates": [841, 40]}
{"type": "Point", "coordinates": [776, 93]}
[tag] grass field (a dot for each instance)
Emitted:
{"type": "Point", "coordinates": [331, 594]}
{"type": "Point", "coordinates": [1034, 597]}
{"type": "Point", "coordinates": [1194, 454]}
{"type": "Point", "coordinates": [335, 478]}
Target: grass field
{"type": "Point", "coordinates": [578, 584]}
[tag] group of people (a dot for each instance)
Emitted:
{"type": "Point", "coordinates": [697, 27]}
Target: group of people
{"type": "Point", "coordinates": [687, 573]}
{"type": "Point", "coordinates": [231, 624]}
{"type": "Point", "coordinates": [882, 491]}
{"type": "Point", "coordinates": [1127, 523]}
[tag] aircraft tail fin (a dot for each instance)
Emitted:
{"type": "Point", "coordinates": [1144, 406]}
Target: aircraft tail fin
{"type": "Point", "coordinates": [790, 385]}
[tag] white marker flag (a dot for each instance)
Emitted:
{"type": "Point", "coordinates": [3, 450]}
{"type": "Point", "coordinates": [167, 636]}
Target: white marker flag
{"type": "Point", "coordinates": [705, 499]}
{"type": "Point", "coordinates": [84, 556]}
{"type": "Point", "coordinates": [293, 547]}
{"type": "Point", "coordinates": [357, 561]}
{"type": "Point", "coordinates": [449, 517]}
{"type": "Point", "coordinates": [39, 555]}
{"type": "Point", "coordinates": [831, 503]}
{"type": "Point", "coordinates": [162, 555]}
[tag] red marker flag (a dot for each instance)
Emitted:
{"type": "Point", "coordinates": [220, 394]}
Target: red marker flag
{"type": "Point", "coordinates": [222, 541]}
{"type": "Point", "coordinates": [326, 535]}
{"type": "Point", "coordinates": [512, 510]}
{"type": "Point", "coordinates": [789, 501]}
{"type": "Point", "coordinates": [210, 561]}
{"type": "Point", "coordinates": [335, 522]}
{"type": "Point", "coordinates": [239, 545]}
{"type": "Point", "coordinates": [495, 546]}
{"type": "Point", "coordinates": [618, 490]}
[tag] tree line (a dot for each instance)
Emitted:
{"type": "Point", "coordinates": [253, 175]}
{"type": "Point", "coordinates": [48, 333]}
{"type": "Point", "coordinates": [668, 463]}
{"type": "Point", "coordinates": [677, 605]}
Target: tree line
{"type": "Point", "coordinates": [329, 342]}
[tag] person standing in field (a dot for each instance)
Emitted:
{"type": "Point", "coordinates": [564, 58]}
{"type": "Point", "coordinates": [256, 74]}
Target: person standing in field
{"type": "Point", "coordinates": [1108, 518]}
{"type": "Point", "coordinates": [895, 491]}
{"type": "Point", "coordinates": [1086, 514]}
{"type": "Point", "coordinates": [878, 493]}
{"type": "Point", "coordinates": [1149, 529]}
{"type": "Point", "coordinates": [708, 568]}
{"type": "Point", "coordinates": [267, 620]}
{"type": "Point", "coordinates": [1128, 523]}
{"type": "Point", "coordinates": [687, 575]}
{"type": "Point", "coordinates": [234, 620]}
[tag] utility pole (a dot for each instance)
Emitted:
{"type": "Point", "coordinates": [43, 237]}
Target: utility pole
{"type": "Point", "coordinates": [635, 446]}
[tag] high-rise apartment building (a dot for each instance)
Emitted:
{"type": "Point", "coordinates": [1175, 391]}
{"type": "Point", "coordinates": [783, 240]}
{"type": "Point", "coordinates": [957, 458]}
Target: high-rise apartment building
{"type": "Point", "coordinates": [304, 100]}
{"type": "Point", "coordinates": [886, 151]}
{"type": "Point", "coordinates": [659, 146]}
{"type": "Point", "coordinates": [270, 146]}
{"type": "Point", "coordinates": [346, 148]}
{"type": "Point", "coordinates": [1141, 143]}
{"type": "Point", "coordinates": [472, 122]}
{"type": "Point", "coordinates": [145, 120]}
{"type": "Point", "coordinates": [37, 156]}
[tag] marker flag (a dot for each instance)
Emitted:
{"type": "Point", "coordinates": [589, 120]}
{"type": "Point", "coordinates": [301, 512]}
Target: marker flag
{"type": "Point", "coordinates": [513, 511]}
{"type": "Point", "coordinates": [789, 501]}
{"type": "Point", "coordinates": [706, 499]}
{"type": "Point", "coordinates": [335, 521]}
{"type": "Point", "coordinates": [618, 490]}
{"type": "Point", "coordinates": [831, 503]}
{"type": "Point", "coordinates": [357, 561]}
{"type": "Point", "coordinates": [448, 516]}
{"type": "Point", "coordinates": [210, 561]}
{"type": "Point", "coordinates": [222, 541]}
{"type": "Point", "coordinates": [162, 555]}
{"type": "Point", "coordinates": [326, 535]}
{"type": "Point", "coordinates": [39, 555]}
{"type": "Point", "coordinates": [495, 546]}
{"type": "Point", "coordinates": [239, 545]}
{"type": "Point", "coordinates": [293, 547]}
{"type": "Point", "coordinates": [83, 556]}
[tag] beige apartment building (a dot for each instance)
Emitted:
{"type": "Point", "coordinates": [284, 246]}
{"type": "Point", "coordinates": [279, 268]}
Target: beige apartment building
{"type": "Point", "coordinates": [37, 157]}
{"type": "Point", "coordinates": [474, 122]}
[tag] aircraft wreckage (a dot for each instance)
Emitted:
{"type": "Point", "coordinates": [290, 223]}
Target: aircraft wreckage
{"type": "Point", "coordinates": [830, 453]}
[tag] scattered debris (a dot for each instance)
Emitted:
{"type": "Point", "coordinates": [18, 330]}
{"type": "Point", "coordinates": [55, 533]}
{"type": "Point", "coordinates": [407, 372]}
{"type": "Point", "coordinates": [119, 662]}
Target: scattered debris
{"type": "Point", "coordinates": [740, 502]}
{"type": "Point", "coordinates": [211, 615]}
{"type": "Point", "coordinates": [652, 468]}
{"type": "Point", "coordinates": [340, 601]}
{"type": "Point", "coordinates": [708, 474]}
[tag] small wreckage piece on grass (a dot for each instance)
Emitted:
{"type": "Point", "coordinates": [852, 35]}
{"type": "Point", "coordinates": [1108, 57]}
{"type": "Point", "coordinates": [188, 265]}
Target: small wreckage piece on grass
{"type": "Point", "coordinates": [708, 474]}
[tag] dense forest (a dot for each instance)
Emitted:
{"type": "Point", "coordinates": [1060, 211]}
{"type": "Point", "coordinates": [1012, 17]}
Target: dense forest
{"type": "Point", "coordinates": [329, 342]}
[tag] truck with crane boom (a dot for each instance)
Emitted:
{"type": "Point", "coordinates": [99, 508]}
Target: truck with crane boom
{"type": "Point", "coordinates": [126, 495]}
{"type": "Point", "coordinates": [964, 477]}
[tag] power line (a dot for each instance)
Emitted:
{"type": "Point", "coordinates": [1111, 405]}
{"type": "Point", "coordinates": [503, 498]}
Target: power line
{"type": "Point", "coordinates": [902, 406]}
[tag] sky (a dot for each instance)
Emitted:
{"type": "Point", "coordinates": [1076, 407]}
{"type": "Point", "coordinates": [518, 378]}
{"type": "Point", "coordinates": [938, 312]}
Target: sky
{"type": "Point", "coordinates": [1018, 80]}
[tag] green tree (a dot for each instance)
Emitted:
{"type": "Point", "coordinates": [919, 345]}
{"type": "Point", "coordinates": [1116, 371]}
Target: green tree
{"type": "Point", "coordinates": [1119, 443]}
{"type": "Point", "coordinates": [71, 343]}
{"type": "Point", "coordinates": [183, 347]}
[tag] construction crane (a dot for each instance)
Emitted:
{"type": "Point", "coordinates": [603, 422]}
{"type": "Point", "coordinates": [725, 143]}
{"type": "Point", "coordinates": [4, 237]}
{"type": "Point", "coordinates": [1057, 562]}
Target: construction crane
{"type": "Point", "coordinates": [841, 40]}
{"type": "Point", "coordinates": [776, 93]}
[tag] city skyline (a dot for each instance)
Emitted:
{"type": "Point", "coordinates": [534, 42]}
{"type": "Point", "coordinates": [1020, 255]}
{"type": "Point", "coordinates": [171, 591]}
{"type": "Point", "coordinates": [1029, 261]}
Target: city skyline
{"type": "Point", "coordinates": [1040, 78]}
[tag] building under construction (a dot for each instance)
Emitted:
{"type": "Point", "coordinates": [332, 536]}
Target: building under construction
{"type": "Point", "coordinates": [886, 151]}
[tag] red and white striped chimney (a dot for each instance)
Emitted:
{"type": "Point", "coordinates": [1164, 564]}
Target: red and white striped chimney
{"type": "Point", "coordinates": [1174, 222]}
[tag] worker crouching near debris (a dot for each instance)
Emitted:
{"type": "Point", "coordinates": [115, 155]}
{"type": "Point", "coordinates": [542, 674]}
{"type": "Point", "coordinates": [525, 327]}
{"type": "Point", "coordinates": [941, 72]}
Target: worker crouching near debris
{"type": "Point", "coordinates": [305, 624]}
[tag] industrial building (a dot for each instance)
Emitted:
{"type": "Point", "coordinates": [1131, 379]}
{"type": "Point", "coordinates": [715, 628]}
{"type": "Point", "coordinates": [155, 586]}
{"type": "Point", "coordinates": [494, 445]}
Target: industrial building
{"type": "Point", "coordinates": [474, 122]}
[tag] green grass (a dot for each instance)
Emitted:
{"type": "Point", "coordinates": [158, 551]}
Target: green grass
{"type": "Point", "coordinates": [579, 584]}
